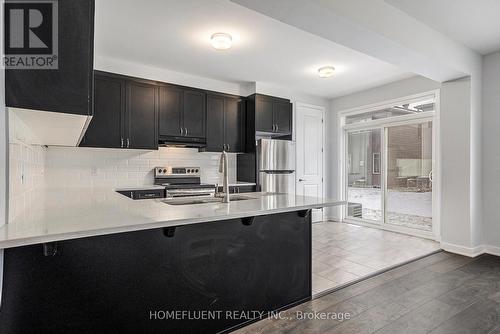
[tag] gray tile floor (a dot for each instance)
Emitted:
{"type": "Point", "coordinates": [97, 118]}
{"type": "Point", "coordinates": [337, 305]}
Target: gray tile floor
{"type": "Point", "coordinates": [442, 293]}
{"type": "Point", "coordinates": [344, 252]}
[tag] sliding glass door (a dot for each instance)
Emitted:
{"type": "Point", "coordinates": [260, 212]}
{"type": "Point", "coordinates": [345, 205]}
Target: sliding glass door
{"type": "Point", "coordinates": [409, 176]}
{"type": "Point", "coordinates": [364, 180]}
{"type": "Point", "coordinates": [388, 174]}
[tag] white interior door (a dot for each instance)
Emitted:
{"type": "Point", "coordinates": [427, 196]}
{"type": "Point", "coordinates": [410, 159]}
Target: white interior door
{"type": "Point", "coordinates": [309, 139]}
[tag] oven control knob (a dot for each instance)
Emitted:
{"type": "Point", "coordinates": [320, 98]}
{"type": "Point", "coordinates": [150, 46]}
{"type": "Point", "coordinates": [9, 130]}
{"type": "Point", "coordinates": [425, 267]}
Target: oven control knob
{"type": "Point", "coordinates": [160, 171]}
{"type": "Point", "coordinates": [196, 170]}
{"type": "Point", "coordinates": [165, 171]}
{"type": "Point", "coordinates": [190, 171]}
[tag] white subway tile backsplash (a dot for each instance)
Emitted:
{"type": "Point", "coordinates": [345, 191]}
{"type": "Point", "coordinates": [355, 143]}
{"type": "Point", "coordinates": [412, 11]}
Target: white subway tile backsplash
{"type": "Point", "coordinates": [26, 176]}
{"type": "Point", "coordinates": [68, 167]}
{"type": "Point", "coordinates": [33, 167]}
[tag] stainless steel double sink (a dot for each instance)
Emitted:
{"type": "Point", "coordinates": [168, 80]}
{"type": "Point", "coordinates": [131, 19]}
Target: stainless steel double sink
{"type": "Point", "coordinates": [204, 200]}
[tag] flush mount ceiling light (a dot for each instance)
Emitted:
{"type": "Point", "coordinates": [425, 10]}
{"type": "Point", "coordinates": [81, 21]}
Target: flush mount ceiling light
{"type": "Point", "coordinates": [221, 41]}
{"type": "Point", "coordinates": [326, 71]}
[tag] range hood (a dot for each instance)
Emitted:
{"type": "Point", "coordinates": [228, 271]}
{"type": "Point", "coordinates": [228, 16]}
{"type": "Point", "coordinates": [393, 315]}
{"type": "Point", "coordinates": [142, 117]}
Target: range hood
{"type": "Point", "coordinates": [179, 141]}
{"type": "Point", "coordinates": [47, 128]}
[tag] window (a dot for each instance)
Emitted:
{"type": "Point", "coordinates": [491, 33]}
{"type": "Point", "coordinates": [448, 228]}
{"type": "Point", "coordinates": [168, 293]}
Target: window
{"type": "Point", "coordinates": [388, 112]}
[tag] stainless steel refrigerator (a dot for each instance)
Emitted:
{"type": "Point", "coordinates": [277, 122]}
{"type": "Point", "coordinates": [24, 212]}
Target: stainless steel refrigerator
{"type": "Point", "coordinates": [276, 165]}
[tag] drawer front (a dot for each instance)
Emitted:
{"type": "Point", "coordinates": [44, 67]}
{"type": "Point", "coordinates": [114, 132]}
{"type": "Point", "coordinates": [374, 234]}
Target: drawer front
{"type": "Point", "coordinates": [146, 194]}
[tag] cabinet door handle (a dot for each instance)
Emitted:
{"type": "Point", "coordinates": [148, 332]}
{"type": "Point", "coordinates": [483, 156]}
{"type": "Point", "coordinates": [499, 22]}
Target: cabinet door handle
{"type": "Point", "coordinates": [277, 128]}
{"type": "Point", "coordinates": [121, 145]}
{"type": "Point", "coordinates": [128, 142]}
{"type": "Point", "coordinates": [186, 130]}
{"type": "Point", "coordinates": [228, 147]}
{"type": "Point", "coordinates": [182, 131]}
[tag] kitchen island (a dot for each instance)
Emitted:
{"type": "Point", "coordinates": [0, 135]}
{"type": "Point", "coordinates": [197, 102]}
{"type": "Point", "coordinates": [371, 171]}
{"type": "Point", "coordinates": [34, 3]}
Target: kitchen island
{"type": "Point", "coordinates": [95, 261]}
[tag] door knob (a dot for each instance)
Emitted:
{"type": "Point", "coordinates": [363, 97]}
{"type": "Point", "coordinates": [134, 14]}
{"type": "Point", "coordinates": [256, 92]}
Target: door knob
{"type": "Point", "coordinates": [302, 180]}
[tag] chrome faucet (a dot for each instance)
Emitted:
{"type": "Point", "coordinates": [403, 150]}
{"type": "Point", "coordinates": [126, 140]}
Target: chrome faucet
{"type": "Point", "coordinates": [223, 168]}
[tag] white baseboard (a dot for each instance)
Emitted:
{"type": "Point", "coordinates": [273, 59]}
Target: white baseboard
{"type": "Point", "coordinates": [471, 251]}
{"type": "Point", "coordinates": [466, 251]}
{"type": "Point", "coordinates": [493, 250]}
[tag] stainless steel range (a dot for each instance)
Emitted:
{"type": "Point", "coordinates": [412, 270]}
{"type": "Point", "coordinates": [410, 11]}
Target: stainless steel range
{"type": "Point", "coordinates": [182, 182]}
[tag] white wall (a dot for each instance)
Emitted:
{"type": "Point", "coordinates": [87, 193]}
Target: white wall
{"type": "Point", "coordinates": [161, 74]}
{"type": "Point", "coordinates": [406, 87]}
{"type": "Point", "coordinates": [456, 224]}
{"type": "Point", "coordinates": [491, 151]}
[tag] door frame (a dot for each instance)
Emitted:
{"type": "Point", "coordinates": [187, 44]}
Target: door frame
{"type": "Point", "coordinates": [322, 110]}
{"type": "Point", "coordinates": [382, 124]}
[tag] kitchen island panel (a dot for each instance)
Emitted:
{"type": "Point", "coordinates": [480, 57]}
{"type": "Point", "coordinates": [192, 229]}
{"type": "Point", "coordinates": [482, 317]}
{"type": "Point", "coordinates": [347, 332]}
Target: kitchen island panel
{"type": "Point", "coordinates": [112, 283]}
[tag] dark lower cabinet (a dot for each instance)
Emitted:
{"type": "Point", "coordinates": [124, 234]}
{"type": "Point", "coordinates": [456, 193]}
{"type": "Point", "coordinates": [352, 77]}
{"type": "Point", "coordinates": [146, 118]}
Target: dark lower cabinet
{"type": "Point", "coordinates": [225, 123]}
{"type": "Point", "coordinates": [240, 189]}
{"type": "Point", "coordinates": [141, 115]}
{"type": "Point", "coordinates": [134, 282]}
{"type": "Point", "coordinates": [68, 88]}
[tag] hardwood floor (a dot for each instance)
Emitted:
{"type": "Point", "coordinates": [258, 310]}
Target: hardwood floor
{"type": "Point", "coordinates": [442, 293]}
{"type": "Point", "coordinates": [345, 252]}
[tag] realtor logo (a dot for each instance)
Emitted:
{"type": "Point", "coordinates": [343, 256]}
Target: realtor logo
{"type": "Point", "coordinates": [31, 34]}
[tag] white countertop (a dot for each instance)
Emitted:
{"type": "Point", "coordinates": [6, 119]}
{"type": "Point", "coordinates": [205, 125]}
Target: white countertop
{"type": "Point", "coordinates": [76, 213]}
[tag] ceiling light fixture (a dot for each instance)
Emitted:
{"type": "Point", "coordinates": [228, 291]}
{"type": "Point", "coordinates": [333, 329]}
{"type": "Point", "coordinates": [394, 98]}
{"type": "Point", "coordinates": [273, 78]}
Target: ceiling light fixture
{"type": "Point", "coordinates": [221, 41]}
{"type": "Point", "coordinates": [326, 71]}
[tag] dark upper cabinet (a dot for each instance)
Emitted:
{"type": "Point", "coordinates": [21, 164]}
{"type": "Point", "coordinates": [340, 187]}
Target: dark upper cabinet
{"type": "Point", "coordinates": [215, 123]}
{"type": "Point", "coordinates": [68, 88]}
{"type": "Point", "coordinates": [182, 113]}
{"type": "Point", "coordinates": [106, 126]}
{"type": "Point", "coordinates": [225, 127]}
{"type": "Point", "coordinates": [264, 114]}
{"type": "Point", "coordinates": [273, 115]}
{"type": "Point", "coordinates": [234, 124]}
{"type": "Point", "coordinates": [141, 115]}
{"type": "Point", "coordinates": [170, 111]}
{"type": "Point", "coordinates": [193, 115]}
{"type": "Point", "coordinates": [125, 113]}
{"type": "Point", "coordinates": [282, 116]}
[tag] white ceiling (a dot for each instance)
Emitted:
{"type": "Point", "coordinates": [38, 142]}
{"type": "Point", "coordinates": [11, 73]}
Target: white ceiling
{"type": "Point", "coordinates": [175, 35]}
{"type": "Point", "coordinates": [475, 23]}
